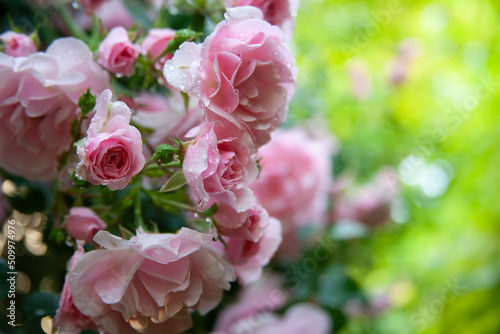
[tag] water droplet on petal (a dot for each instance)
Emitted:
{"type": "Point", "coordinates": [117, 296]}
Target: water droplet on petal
{"type": "Point", "coordinates": [75, 5]}
{"type": "Point", "coordinates": [170, 68]}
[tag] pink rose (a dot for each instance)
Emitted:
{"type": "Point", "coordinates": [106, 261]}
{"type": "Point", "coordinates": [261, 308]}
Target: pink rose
{"type": "Point", "coordinates": [218, 166]}
{"type": "Point", "coordinates": [148, 283]}
{"type": "Point", "coordinates": [112, 13]}
{"type": "Point", "coordinates": [68, 318]}
{"type": "Point", "coordinates": [277, 12]}
{"type": "Point", "coordinates": [92, 5]}
{"type": "Point", "coordinates": [242, 72]}
{"type": "Point", "coordinates": [166, 115]}
{"type": "Point", "coordinates": [82, 224]}
{"type": "Point", "coordinates": [293, 183]}
{"type": "Point", "coordinates": [248, 257]}
{"type": "Point", "coordinates": [117, 53]}
{"type": "Point", "coordinates": [156, 43]}
{"type": "Point", "coordinates": [247, 225]}
{"type": "Point", "coordinates": [254, 301]}
{"type": "Point", "coordinates": [301, 318]}
{"type": "Point", "coordinates": [294, 178]}
{"type": "Point", "coordinates": [17, 45]}
{"type": "Point", "coordinates": [38, 102]}
{"type": "Point", "coordinates": [111, 154]}
{"type": "Point", "coordinates": [369, 204]}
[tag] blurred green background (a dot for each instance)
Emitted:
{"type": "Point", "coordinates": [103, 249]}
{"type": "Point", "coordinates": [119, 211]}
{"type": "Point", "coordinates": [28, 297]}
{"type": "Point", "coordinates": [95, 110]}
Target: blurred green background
{"type": "Point", "coordinates": [438, 262]}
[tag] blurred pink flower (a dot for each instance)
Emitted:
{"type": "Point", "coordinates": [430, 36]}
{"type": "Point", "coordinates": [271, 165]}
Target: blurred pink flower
{"type": "Point", "coordinates": [82, 224]}
{"type": "Point", "coordinates": [68, 318]}
{"type": "Point", "coordinates": [17, 45]}
{"type": "Point", "coordinates": [368, 204]}
{"type": "Point", "coordinates": [242, 72]}
{"type": "Point", "coordinates": [294, 178]}
{"type": "Point", "coordinates": [156, 43]}
{"type": "Point", "coordinates": [218, 166]}
{"type": "Point", "coordinates": [255, 299]}
{"type": "Point", "coordinates": [277, 12]}
{"type": "Point", "coordinates": [301, 318]}
{"type": "Point", "coordinates": [92, 5]}
{"type": "Point", "coordinates": [38, 102]}
{"type": "Point", "coordinates": [117, 53]}
{"type": "Point", "coordinates": [111, 154]}
{"type": "Point", "coordinates": [112, 13]}
{"type": "Point", "coordinates": [168, 116]}
{"type": "Point", "coordinates": [400, 66]}
{"type": "Point", "coordinates": [360, 81]}
{"type": "Point", "coordinates": [148, 283]}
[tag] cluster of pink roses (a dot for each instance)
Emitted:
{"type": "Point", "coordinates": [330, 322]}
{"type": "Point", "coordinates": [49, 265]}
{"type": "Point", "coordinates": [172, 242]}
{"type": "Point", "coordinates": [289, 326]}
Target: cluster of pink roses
{"type": "Point", "coordinates": [239, 80]}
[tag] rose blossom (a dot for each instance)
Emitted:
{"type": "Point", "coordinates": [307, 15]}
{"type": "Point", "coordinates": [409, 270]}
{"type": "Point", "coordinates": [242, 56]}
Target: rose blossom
{"type": "Point", "coordinates": [247, 225]}
{"type": "Point", "coordinates": [293, 183]}
{"type": "Point", "coordinates": [369, 204]}
{"type": "Point", "coordinates": [82, 224]}
{"type": "Point", "coordinates": [156, 43]}
{"type": "Point", "coordinates": [248, 257]}
{"type": "Point", "coordinates": [218, 166]}
{"type": "Point", "coordinates": [68, 317]}
{"type": "Point", "coordinates": [242, 72]}
{"type": "Point", "coordinates": [146, 283]}
{"type": "Point", "coordinates": [112, 13]}
{"type": "Point", "coordinates": [301, 318]}
{"type": "Point", "coordinates": [117, 53]}
{"type": "Point", "coordinates": [92, 5]}
{"type": "Point", "coordinates": [111, 154]}
{"type": "Point", "coordinates": [277, 12]}
{"type": "Point", "coordinates": [17, 45]}
{"type": "Point", "coordinates": [294, 178]}
{"type": "Point", "coordinates": [38, 102]}
{"type": "Point", "coordinates": [168, 115]}
{"type": "Point", "coordinates": [254, 300]}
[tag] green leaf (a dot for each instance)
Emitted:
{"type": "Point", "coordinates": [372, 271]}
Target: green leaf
{"type": "Point", "coordinates": [201, 225]}
{"type": "Point", "coordinates": [174, 182]}
{"type": "Point", "coordinates": [181, 36]}
{"type": "Point", "coordinates": [86, 102]}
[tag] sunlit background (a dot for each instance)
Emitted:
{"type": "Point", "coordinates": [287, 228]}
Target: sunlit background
{"type": "Point", "coordinates": [413, 85]}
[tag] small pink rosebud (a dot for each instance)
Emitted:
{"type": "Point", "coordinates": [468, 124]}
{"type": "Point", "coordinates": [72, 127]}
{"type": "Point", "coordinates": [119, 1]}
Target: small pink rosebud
{"type": "Point", "coordinates": [117, 53]}
{"type": "Point", "coordinates": [17, 45]}
{"type": "Point", "coordinates": [82, 224]}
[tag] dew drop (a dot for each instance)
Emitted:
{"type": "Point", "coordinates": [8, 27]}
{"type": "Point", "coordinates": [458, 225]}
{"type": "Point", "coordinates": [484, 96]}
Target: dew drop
{"type": "Point", "coordinates": [70, 52]}
{"type": "Point", "coordinates": [170, 68]}
{"type": "Point", "coordinates": [119, 75]}
{"type": "Point", "coordinates": [182, 86]}
{"type": "Point", "coordinates": [75, 5]}
{"type": "Point", "coordinates": [275, 53]}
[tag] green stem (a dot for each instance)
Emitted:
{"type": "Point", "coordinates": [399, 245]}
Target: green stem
{"type": "Point", "coordinates": [70, 23]}
{"type": "Point", "coordinates": [138, 211]}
